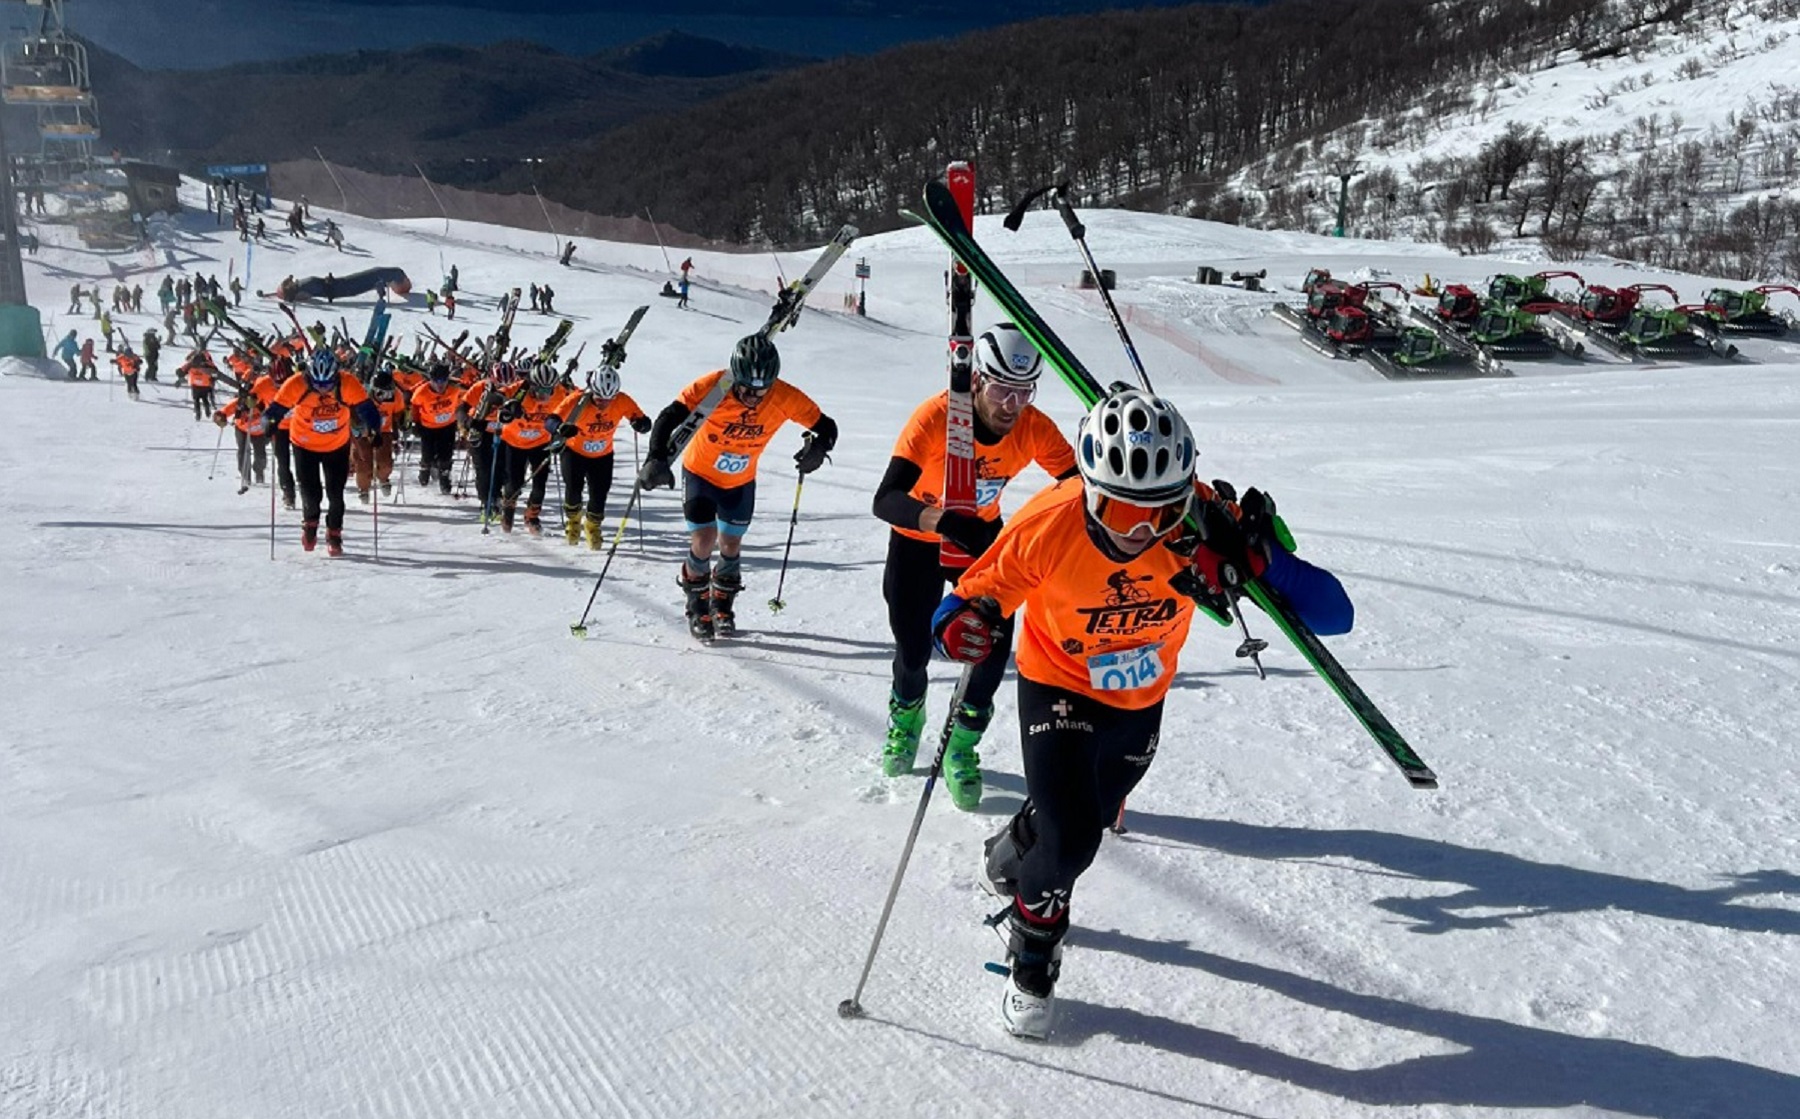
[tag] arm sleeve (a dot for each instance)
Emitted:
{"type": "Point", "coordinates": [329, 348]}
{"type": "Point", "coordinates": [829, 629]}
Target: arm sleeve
{"type": "Point", "coordinates": [664, 429]}
{"type": "Point", "coordinates": [1315, 593]}
{"type": "Point", "coordinates": [366, 411]}
{"type": "Point", "coordinates": [826, 429]}
{"type": "Point", "coordinates": [894, 502]}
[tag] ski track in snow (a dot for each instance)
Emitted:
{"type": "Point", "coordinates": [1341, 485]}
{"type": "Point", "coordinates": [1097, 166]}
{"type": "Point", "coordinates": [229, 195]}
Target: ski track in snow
{"type": "Point", "coordinates": [376, 837]}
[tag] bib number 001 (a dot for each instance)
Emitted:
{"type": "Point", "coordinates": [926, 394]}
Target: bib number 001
{"type": "Point", "coordinates": [730, 463]}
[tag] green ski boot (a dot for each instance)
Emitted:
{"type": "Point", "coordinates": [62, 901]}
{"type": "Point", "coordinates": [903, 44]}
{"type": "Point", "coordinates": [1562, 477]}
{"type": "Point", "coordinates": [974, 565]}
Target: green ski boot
{"type": "Point", "coordinates": [905, 721]}
{"type": "Point", "coordinates": [962, 765]}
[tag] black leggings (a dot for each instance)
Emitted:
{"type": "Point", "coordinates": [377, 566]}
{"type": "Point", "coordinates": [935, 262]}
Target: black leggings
{"type": "Point", "coordinates": [283, 463]}
{"type": "Point", "coordinates": [335, 468]}
{"type": "Point", "coordinates": [595, 475]}
{"type": "Point", "coordinates": [1082, 758]}
{"type": "Point", "coordinates": [519, 464]}
{"type": "Point", "coordinates": [913, 584]}
{"type": "Point", "coordinates": [437, 449]}
{"type": "Point", "coordinates": [251, 450]}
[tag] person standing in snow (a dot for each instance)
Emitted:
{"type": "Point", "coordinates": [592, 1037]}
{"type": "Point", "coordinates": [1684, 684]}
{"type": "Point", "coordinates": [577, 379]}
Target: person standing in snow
{"type": "Point", "coordinates": [434, 404]}
{"type": "Point", "coordinates": [1010, 434]}
{"type": "Point", "coordinates": [319, 408]}
{"type": "Point", "coordinates": [88, 371]}
{"type": "Point", "coordinates": [1107, 573]}
{"type": "Point", "coordinates": [66, 350]}
{"type": "Point", "coordinates": [719, 470]}
{"type": "Point", "coordinates": [129, 364]}
{"type": "Point", "coordinates": [590, 424]}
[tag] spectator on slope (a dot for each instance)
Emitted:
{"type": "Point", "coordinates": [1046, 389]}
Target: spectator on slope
{"type": "Point", "coordinates": [75, 297]}
{"type": "Point", "coordinates": [546, 300]}
{"type": "Point", "coordinates": [719, 470]}
{"type": "Point", "coordinates": [88, 371]}
{"type": "Point", "coordinates": [66, 350]}
{"type": "Point", "coordinates": [1010, 434]}
{"type": "Point", "coordinates": [152, 351]}
{"type": "Point", "coordinates": [590, 421]}
{"type": "Point", "coordinates": [137, 298]}
{"type": "Point", "coordinates": [106, 329]}
{"type": "Point", "coordinates": [320, 407]}
{"type": "Point", "coordinates": [1107, 575]}
{"type": "Point", "coordinates": [534, 297]}
{"type": "Point", "coordinates": [237, 292]}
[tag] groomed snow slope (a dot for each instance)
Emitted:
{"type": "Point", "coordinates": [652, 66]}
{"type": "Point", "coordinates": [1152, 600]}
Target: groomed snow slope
{"type": "Point", "coordinates": [308, 838]}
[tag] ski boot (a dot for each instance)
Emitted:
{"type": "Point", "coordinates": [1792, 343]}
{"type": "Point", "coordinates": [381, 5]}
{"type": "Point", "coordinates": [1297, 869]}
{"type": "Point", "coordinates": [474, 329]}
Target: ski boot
{"type": "Point", "coordinates": [905, 722]}
{"type": "Point", "coordinates": [287, 499]}
{"type": "Point", "coordinates": [572, 524]}
{"type": "Point", "coordinates": [309, 535]}
{"type": "Point", "coordinates": [259, 477]}
{"type": "Point", "coordinates": [699, 602]}
{"type": "Point", "coordinates": [425, 476]}
{"type": "Point", "coordinates": [387, 487]}
{"type": "Point", "coordinates": [534, 523]}
{"type": "Point", "coordinates": [1004, 852]}
{"type": "Point", "coordinates": [593, 532]}
{"type": "Point", "coordinates": [334, 542]}
{"type": "Point", "coordinates": [1034, 961]}
{"type": "Point", "coordinates": [508, 508]}
{"type": "Point", "coordinates": [362, 496]}
{"type": "Point", "coordinates": [443, 482]}
{"type": "Point", "coordinates": [962, 764]}
{"type": "Point", "coordinates": [726, 583]}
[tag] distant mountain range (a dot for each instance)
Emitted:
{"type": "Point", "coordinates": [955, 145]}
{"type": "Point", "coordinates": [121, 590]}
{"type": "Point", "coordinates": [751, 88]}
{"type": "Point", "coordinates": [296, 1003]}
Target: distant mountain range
{"type": "Point", "coordinates": [459, 111]}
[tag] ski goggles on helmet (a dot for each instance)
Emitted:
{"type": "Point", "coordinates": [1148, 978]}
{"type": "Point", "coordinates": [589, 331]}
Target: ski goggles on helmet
{"type": "Point", "coordinates": [1003, 394]}
{"type": "Point", "coordinates": [1123, 518]}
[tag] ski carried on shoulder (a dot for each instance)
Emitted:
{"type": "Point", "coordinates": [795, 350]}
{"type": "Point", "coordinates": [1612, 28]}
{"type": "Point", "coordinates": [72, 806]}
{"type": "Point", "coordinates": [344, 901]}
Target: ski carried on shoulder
{"type": "Point", "coordinates": [945, 219]}
{"type": "Point", "coordinates": [959, 412]}
{"type": "Point", "coordinates": [612, 356]}
{"type": "Point", "coordinates": [781, 317]}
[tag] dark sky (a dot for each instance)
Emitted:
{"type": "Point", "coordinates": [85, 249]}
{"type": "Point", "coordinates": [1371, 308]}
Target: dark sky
{"type": "Point", "coordinates": [186, 34]}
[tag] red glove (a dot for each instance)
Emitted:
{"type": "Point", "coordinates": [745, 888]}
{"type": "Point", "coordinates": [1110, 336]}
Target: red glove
{"type": "Point", "coordinates": [966, 634]}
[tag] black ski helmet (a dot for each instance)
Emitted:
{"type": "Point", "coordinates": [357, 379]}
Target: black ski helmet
{"type": "Point", "coordinates": [755, 363]}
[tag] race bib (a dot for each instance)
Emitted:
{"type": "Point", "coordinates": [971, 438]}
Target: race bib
{"type": "Point", "coordinates": [1127, 669]}
{"type": "Point", "coordinates": [729, 463]}
{"type": "Point", "coordinates": [594, 446]}
{"type": "Point", "coordinates": [531, 433]}
{"type": "Point", "coordinates": [987, 491]}
{"type": "Point", "coordinates": [442, 417]}
{"type": "Point", "coordinates": [325, 427]}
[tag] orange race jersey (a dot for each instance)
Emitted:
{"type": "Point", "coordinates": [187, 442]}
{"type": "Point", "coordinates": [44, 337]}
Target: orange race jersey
{"type": "Point", "coordinates": [128, 364]}
{"type": "Point", "coordinates": [530, 429]}
{"type": "Point", "coordinates": [391, 409]}
{"type": "Point", "coordinates": [320, 421]}
{"type": "Point", "coordinates": [247, 420]}
{"type": "Point", "coordinates": [725, 449]}
{"type": "Point", "coordinates": [1111, 631]}
{"type": "Point", "coordinates": [434, 409]}
{"type": "Point", "coordinates": [200, 374]}
{"type": "Point", "coordinates": [591, 434]}
{"type": "Point", "coordinates": [1034, 438]}
{"type": "Point", "coordinates": [482, 400]}
{"type": "Point", "coordinates": [241, 366]}
{"type": "Point", "coordinates": [265, 390]}
{"type": "Point", "coordinates": [407, 381]}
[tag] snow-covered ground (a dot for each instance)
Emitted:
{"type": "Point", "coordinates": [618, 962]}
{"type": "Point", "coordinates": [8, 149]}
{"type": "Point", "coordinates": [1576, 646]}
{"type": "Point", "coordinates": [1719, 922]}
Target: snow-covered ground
{"type": "Point", "coordinates": [297, 838]}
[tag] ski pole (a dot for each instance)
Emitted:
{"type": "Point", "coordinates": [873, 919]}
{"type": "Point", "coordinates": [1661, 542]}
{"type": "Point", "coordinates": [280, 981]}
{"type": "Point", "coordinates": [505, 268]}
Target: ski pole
{"type": "Point", "coordinates": [637, 470]}
{"type": "Point", "coordinates": [375, 496]}
{"type": "Point", "coordinates": [1059, 196]}
{"type": "Point", "coordinates": [488, 507]}
{"type": "Point", "coordinates": [272, 488]}
{"type": "Point", "coordinates": [852, 1006]}
{"type": "Point", "coordinates": [579, 629]}
{"type": "Point", "coordinates": [217, 447]}
{"type": "Point", "coordinates": [776, 603]}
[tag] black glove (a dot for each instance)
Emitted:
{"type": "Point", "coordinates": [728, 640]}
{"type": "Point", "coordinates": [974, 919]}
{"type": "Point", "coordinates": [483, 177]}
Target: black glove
{"type": "Point", "coordinates": [511, 411]}
{"type": "Point", "coordinates": [967, 531]}
{"type": "Point", "coordinates": [641, 424]}
{"type": "Point", "coordinates": [374, 440]}
{"type": "Point", "coordinates": [1226, 491]}
{"type": "Point", "coordinates": [812, 453]}
{"type": "Point", "coordinates": [1257, 517]}
{"type": "Point", "coordinates": [657, 474]}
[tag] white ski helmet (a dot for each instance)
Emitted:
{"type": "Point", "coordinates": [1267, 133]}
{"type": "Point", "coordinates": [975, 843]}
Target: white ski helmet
{"type": "Point", "coordinates": [1005, 354]}
{"type": "Point", "coordinates": [1136, 447]}
{"type": "Point", "coordinates": [543, 376]}
{"type": "Point", "coordinates": [604, 382]}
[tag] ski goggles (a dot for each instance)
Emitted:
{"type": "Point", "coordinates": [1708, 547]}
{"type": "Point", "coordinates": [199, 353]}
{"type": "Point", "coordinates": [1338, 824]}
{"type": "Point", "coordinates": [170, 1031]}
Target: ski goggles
{"type": "Point", "coordinates": [1003, 395]}
{"type": "Point", "coordinates": [1122, 518]}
